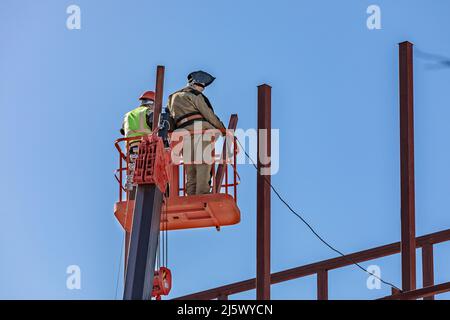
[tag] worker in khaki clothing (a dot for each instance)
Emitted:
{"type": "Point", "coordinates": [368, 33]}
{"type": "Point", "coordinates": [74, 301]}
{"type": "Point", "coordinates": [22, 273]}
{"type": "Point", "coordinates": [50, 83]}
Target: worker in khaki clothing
{"type": "Point", "coordinates": [192, 111]}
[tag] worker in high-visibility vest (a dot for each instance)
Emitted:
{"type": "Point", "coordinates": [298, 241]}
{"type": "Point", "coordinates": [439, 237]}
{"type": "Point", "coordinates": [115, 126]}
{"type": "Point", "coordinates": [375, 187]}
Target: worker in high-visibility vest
{"type": "Point", "coordinates": [136, 123]}
{"type": "Point", "coordinates": [139, 121]}
{"type": "Point", "coordinates": [191, 110]}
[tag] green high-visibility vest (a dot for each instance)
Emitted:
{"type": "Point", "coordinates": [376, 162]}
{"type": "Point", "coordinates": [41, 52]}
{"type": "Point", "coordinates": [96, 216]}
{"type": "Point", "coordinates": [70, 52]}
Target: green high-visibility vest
{"type": "Point", "coordinates": [135, 122]}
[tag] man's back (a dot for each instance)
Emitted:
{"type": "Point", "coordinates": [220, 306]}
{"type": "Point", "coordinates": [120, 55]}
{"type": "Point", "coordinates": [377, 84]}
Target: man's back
{"type": "Point", "coordinates": [187, 102]}
{"type": "Point", "coordinates": [190, 109]}
{"type": "Point", "coordinates": [138, 122]}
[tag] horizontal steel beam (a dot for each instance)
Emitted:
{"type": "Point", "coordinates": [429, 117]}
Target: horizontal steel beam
{"type": "Point", "coordinates": [420, 293]}
{"type": "Point", "coordinates": [314, 268]}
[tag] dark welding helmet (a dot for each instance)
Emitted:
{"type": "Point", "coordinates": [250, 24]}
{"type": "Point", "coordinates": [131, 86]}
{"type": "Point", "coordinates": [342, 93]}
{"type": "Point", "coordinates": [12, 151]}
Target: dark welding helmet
{"type": "Point", "coordinates": [201, 78]}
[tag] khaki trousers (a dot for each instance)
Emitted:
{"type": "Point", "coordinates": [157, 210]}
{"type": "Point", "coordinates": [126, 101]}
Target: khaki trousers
{"type": "Point", "coordinates": [198, 180]}
{"type": "Point", "coordinates": [198, 160]}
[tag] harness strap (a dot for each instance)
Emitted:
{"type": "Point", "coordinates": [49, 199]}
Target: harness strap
{"type": "Point", "coordinates": [189, 118]}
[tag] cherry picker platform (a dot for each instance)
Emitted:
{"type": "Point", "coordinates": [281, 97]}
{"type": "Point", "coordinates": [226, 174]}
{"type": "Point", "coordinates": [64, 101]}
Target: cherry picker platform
{"type": "Point", "coordinates": [159, 202]}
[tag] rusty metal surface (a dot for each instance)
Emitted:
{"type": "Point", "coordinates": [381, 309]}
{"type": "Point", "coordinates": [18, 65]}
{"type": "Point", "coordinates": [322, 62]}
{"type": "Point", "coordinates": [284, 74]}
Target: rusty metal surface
{"type": "Point", "coordinates": [427, 267]}
{"type": "Point", "coordinates": [310, 269]}
{"type": "Point", "coordinates": [322, 285]}
{"type": "Point", "coordinates": [263, 196]}
{"type": "Point", "coordinates": [407, 166]}
{"type": "Point", "coordinates": [158, 94]}
{"type": "Point", "coordinates": [218, 179]}
{"type": "Point", "coordinates": [420, 293]}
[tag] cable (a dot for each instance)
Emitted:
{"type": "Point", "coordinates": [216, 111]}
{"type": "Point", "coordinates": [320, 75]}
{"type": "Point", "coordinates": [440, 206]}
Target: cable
{"type": "Point", "coordinates": [167, 232]}
{"type": "Point", "coordinates": [158, 253]}
{"type": "Point", "coordinates": [120, 264]}
{"type": "Point", "coordinates": [164, 236]}
{"type": "Point", "coordinates": [310, 227]}
{"type": "Point", "coordinates": [123, 239]}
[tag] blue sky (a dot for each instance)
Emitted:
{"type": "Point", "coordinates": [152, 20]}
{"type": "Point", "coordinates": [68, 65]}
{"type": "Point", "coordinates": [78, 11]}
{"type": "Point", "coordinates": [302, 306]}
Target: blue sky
{"type": "Point", "coordinates": [335, 100]}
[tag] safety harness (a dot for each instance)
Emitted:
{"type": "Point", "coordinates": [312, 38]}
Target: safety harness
{"type": "Point", "coordinates": [189, 118]}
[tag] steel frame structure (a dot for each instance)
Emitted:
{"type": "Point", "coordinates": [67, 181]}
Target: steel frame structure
{"type": "Point", "coordinates": [406, 247]}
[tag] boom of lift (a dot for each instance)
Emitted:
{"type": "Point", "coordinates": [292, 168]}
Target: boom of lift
{"type": "Point", "coordinates": [161, 203]}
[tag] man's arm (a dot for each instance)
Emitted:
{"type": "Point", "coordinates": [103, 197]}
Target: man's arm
{"type": "Point", "coordinates": [207, 113]}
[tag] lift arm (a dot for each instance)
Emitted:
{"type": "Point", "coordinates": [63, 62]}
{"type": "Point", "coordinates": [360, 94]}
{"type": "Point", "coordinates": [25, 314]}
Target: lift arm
{"type": "Point", "coordinates": [151, 179]}
{"type": "Point", "coordinates": [146, 218]}
{"type": "Point", "coordinates": [144, 243]}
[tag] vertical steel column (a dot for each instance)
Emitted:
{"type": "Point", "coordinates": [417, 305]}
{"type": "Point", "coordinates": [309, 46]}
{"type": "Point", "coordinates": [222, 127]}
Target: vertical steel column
{"type": "Point", "coordinates": [222, 167]}
{"type": "Point", "coordinates": [322, 285]}
{"type": "Point", "coordinates": [408, 233]}
{"type": "Point", "coordinates": [427, 268]}
{"type": "Point", "coordinates": [175, 181]}
{"type": "Point", "coordinates": [158, 94]}
{"type": "Point", "coordinates": [263, 195]}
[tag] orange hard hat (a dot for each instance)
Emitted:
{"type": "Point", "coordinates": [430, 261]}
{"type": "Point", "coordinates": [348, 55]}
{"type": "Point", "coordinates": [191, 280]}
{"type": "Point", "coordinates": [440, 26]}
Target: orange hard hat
{"type": "Point", "coordinates": [148, 95]}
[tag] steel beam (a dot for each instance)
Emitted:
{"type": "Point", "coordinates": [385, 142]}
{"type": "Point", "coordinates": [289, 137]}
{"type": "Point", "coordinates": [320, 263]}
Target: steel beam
{"type": "Point", "coordinates": [420, 293]}
{"type": "Point", "coordinates": [218, 179]}
{"type": "Point", "coordinates": [263, 194]}
{"type": "Point", "coordinates": [143, 243]}
{"type": "Point", "coordinates": [175, 181]}
{"type": "Point", "coordinates": [408, 248]}
{"type": "Point", "coordinates": [310, 269]}
{"type": "Point", "coordinates": [158, 94]}
{"type": "Point", "coordinates": [322, 285]}
{"type": "Point", "coordinates": [427, 267]}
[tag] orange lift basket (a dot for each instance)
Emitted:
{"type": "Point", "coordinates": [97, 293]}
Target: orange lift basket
{"type": "Point", "coordinates": [180, 211]}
